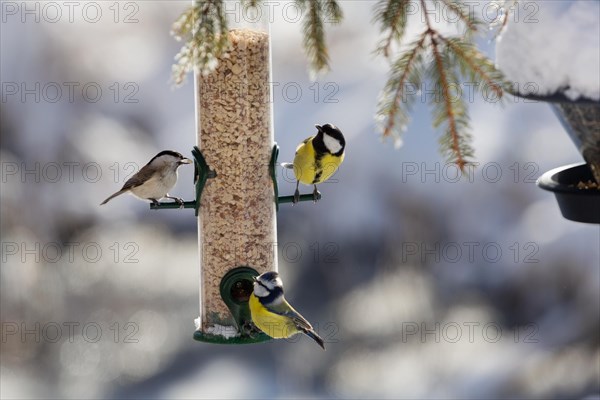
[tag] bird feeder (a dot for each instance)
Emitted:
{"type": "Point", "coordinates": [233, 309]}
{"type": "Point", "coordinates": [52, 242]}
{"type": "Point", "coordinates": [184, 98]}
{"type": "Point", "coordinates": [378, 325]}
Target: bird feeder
{"type": "Point", "coordinates": [576, 187]}
{"type": "Point", "coordinates": [237, 224]}
{"type": "Point", "coordinates": [235, 181]}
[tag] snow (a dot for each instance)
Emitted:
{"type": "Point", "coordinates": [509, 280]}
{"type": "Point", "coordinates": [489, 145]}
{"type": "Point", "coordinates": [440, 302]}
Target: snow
{"type": "Point", "coordinates": [552, 46]}
{"type": "Point", "coordinates": [227, 332]}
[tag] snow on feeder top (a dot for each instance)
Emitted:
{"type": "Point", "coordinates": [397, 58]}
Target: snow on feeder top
{"type": "Point", "coordinates": [237, 225]}
{"type": "Point", "coordinates": [551, 47]}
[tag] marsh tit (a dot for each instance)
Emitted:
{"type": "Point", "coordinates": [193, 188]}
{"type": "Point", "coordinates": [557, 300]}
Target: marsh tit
{"type": "Point", "coordinates": [273, 315]}
{"type": "Point", "coordinates": [154, 181]}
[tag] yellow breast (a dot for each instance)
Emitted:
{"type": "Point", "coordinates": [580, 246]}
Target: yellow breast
{"type": "Point", "coordinates": [274, 325]}
{"type": "Point", "coordinates": [311, 170]}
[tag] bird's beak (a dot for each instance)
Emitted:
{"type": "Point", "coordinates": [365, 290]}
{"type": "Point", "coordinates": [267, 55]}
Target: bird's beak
{"type": "Point", "coordinates": [319, 128]}
{"type": "Point", "coordinates": [185, 161]}
{"type": "Point", "coordinates": [254, 279]}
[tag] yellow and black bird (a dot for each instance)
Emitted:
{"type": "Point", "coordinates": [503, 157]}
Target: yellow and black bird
{"type": "Point", "coordinates": [273, 315]}
{"type": "Point", "coordinates": [317, 158]}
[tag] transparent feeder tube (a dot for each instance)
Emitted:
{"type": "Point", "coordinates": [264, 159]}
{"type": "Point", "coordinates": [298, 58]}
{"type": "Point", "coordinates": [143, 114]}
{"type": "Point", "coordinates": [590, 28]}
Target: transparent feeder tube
{"type": "Point", "coordinates": [237, 223]}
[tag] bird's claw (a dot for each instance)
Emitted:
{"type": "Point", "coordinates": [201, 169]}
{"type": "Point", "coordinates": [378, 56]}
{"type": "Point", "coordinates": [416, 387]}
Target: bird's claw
{"type": "Point", "coordinates": [296, 197]}
{"type": "Point", "coordinates": [177, 200]}
{"type": "Point", "coordinates": [316, 195]}
{"type": "Point", "coordinates": [249, 329]}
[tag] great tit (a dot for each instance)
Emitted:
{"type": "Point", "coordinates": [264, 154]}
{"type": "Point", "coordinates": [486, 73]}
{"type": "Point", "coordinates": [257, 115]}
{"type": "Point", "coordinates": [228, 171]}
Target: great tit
{"type": "Point", "coordinates": [155, 179]}
{"type": "Point", "coordinates": [273, 315]}
{"type": "Point", "coordinates": [317, 158]}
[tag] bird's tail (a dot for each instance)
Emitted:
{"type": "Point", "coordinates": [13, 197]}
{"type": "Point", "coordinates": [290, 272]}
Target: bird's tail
{"type": "Point", "coordinates": [120, 192]}
{"type": "Point", "coordinates": [313, 335]}
{"type": "Point", "coordinates": [287, 165]}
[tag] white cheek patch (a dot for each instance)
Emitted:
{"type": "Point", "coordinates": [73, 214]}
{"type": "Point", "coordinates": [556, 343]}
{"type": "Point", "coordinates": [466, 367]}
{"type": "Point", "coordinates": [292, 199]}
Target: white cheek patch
{"type": "Point", "coordinates": [260, 291]}
{"type": "Point", "coordinates": [332, 144]}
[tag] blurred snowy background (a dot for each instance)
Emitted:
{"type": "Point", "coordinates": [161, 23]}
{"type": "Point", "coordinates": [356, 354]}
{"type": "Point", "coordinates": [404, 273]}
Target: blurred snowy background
{"type": "Point", "coordinates": [423, 286]}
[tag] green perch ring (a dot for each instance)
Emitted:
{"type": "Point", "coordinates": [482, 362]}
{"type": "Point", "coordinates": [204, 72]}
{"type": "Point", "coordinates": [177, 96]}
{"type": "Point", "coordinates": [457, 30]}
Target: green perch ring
{"type": "Point", "coordinates": [236, 288]}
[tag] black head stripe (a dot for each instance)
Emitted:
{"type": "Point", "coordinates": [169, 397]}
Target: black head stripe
{"type": "Point", "coordinates": [167, 153]}
{"type": "Point", "coordinates": [334, 132]}
{"type": "Point", "coordinates": [263, 285]}
{"type": "Point", "coordinates": [273, 295]}
{"type": "Point", "coordinates": [269, 275]}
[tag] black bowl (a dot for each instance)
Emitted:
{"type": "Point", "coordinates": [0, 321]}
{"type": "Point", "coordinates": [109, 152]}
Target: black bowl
{"type": "Point", "coordinates": [581, 205]}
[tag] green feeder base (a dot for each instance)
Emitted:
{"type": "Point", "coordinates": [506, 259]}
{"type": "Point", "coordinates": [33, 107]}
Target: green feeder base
{"type": "Point", "coordinates": [218, 339]}
{"type": "Point", "coordinates": [236, 288]}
